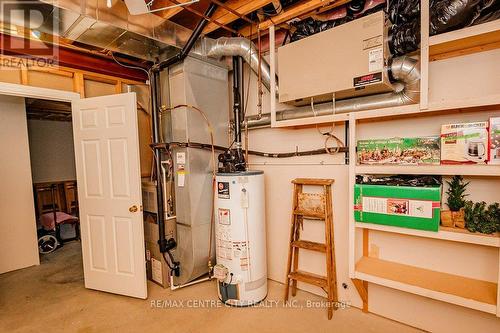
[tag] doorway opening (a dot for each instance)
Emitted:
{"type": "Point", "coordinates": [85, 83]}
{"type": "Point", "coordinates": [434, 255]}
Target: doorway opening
{"type": "Point", "coordinates": [53, 171]}
{"type": "Point", "coordinates": [108, 170]}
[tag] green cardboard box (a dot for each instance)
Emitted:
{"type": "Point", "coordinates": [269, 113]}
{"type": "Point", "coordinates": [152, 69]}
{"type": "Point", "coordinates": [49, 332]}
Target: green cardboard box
{"type": "Point", "coordinates": [399, 206]}
{"type": "Point", "coordinates": [401, 151]}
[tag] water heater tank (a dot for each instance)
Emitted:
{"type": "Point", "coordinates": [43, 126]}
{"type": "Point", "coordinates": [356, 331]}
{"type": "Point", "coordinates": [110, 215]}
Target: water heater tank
{"type": "Point", "coordinates": [240, 233]}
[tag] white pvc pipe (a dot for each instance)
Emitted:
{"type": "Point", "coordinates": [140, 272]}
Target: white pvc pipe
{"type": "Point", "coordinates": [174, 287]}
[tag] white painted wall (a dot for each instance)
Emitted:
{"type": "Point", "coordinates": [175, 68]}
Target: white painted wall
{"type": "Point", "coordinates": [18, 248]}
{"type": "Point", "coordinates": [469, 260]}
{"type": "Point", "coordinates": [51, 150]}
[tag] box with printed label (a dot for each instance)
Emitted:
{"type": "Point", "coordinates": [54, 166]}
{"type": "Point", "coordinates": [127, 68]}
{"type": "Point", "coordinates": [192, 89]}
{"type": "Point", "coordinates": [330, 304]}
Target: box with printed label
{"type": "Point", "coordinates": [157, 269]}
{"type": "Point", "coordinates": [494, 143]}
{"type": "Point", "coordinates": [465, 143]}
{"type": "Point", "coordinates": [402, 151]}
{"type": "Point", "coordinates": [400, 206]}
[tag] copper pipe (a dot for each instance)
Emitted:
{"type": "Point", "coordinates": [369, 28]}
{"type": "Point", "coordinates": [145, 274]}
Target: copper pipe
{"type": "Point", "coordinates": [259, 81]}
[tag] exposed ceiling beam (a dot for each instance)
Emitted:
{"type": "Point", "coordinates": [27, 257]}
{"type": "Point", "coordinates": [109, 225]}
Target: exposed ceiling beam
{"type": "Point", "coordinates": [210, 19]}
{"type": "Point", "coordinates": [291, 13]}
{"type": "Point", "coordinates": [168, 13]}
{"type": "Point", "coordinates": [232, 11]}
{"type": "Point", "coordinates": [72, 58]}
{"type": "Point", "coordinates": [242, 7]}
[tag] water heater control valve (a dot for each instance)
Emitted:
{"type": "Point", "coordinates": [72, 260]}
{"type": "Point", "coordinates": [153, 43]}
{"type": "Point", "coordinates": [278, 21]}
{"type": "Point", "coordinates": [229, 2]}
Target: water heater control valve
{"type": "Point", "coordinates": [220, 272]}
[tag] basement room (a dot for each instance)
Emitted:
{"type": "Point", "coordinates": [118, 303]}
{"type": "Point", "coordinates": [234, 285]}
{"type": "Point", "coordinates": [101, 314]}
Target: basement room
{"type": "Point", "coordinates": [295, 165]}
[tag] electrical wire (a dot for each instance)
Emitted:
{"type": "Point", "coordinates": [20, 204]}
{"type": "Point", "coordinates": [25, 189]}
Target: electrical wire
{"type": "Point", "coordinates": [329, 135]}
{"type": "Point", "coordinates": [296, 153]}
{"type": "Point", "coordinates": [149, 99]}
{"type": "Point", "coordinates": [132, 67]}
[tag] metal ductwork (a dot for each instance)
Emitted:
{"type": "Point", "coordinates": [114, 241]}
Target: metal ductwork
{"type": "Point", "coordinates": [243, 47]}
{"type": "Point", "coordinates": [403, 70]}
{"type": "Point", "coordinates": [91, 23]}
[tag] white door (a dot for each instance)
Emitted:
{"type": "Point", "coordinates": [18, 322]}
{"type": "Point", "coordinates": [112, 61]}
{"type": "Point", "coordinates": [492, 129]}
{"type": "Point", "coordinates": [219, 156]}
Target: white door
{"type": "Point", "coordinates": [109, 190]}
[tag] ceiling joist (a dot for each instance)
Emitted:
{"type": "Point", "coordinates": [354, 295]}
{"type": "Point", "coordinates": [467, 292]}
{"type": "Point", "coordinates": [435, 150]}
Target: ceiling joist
{"type": "Point", "coordinates": [242, 7]}
{"type": "Point", "coordinates": [297, 10]}
{"type": "Point", "coordinates": [168, 13]}
{"type": "Point", "coordinates": [229, 11]}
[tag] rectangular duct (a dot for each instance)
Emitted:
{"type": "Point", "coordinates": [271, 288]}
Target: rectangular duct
{"type": "Point", "coordinates": [91, 22]}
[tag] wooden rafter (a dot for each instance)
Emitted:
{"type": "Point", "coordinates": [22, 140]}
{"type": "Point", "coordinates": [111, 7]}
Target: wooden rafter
{"type": "Point", "coordinates": [210, 19]}
{"type": "Point", "coordinates": [232, 11]}
{"type": "Point", "coordinates": [299, 9]}
{"type": "Point", "coordinates": [168, 13]}
{"type": "Point", "coordinates": [242, 7]}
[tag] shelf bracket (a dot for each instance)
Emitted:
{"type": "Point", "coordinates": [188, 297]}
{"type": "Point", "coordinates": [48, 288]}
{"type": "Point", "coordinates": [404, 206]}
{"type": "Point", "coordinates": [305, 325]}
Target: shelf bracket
{"type": "Point", "coordinates": [362, 288]}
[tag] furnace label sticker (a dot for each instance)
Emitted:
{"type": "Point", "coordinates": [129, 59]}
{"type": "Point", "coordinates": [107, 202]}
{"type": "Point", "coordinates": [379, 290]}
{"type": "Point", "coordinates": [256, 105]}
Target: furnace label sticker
{"type": "Point", "coordinates": [375, 60]}
{"type": "Point", "coordinates": [181, 158]}
{"type": "Point", "coordinates": [223, 190]}
{"type": "Point", "coordinates": [224, 216]}
{"type": "Point", "coordinates": [372, 42]}
{"type": "Point", "coordinates": [156, 270]}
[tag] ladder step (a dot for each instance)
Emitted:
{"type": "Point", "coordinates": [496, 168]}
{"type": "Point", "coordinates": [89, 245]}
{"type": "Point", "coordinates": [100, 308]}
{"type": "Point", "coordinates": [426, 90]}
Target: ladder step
{"type": "Point", "coordinates": [311, 278]}
{"type": "Point", "coordinates": [313, 246]}
{"type": "Point", "coordinates": [309, 214]}
{"type": "Point", "coordinates": [312, 181]}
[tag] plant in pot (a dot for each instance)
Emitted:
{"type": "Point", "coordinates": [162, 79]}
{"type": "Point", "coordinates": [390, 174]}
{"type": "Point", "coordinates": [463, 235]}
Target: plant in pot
{"type": "Point", "coordinates": [456, 202]}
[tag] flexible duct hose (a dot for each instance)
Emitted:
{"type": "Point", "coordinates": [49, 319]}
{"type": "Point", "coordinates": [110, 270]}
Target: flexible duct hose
{"type": "Point", "coordinates": [243, 47]}
{"type": "Point", "coordinates": [403, 69]}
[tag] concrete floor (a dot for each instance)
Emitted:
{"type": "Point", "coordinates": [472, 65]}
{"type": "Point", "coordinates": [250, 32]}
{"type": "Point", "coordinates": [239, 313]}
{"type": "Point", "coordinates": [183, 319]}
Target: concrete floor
{"type": "Point", "coordinates": [51, 297]}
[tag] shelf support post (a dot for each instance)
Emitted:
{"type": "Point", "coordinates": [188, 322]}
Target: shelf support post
{"type": "Point", "coordinates": [424, 54]}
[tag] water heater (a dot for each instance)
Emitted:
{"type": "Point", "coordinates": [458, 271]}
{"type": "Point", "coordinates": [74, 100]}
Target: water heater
{"type": "Point", "coordinates": [240, 235]}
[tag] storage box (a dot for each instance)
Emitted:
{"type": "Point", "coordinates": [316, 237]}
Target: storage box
{"type": "Point", "coordinates": [420, 150]}
{"type": "Point", "coordinates": [400, 206]}
{"type": "Point", "coordinates": [465, 143]}
{"type": "Point", "coordinates": [494, 157]}
{"type": "Point", "coordinates": [157, 269]}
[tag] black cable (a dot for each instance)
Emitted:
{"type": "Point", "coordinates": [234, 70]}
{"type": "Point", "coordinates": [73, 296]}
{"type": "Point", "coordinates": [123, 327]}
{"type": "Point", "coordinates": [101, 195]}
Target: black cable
{"type": "Point", "coordinates": [198, 145]}
{"type": "Point", "coordinates": [168, 264]}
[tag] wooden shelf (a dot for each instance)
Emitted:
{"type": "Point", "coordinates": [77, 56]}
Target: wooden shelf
{"type": "Point", "coordinates": [448, 234]}
{"type": "Point", "coordinates": [470, 104]}
{"type": "Point", "coordinates": [451, 170]}
{"type": "Point", "coordinates": [471, 293]}
{"type": "Point", "coordinates": [468, 40]}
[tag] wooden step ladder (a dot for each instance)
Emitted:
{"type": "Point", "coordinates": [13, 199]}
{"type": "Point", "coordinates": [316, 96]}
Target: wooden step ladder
{"type": "Point", "coordinates": [312, 206]}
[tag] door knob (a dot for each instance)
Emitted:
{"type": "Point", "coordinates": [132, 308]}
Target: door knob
{"type": "Point", "coordinates": [133, 209]}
